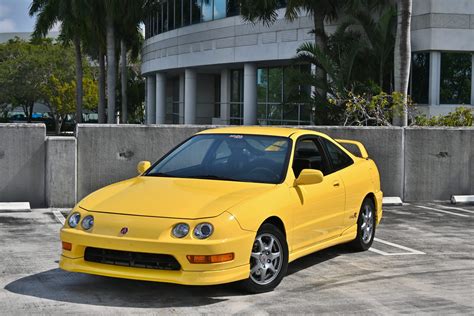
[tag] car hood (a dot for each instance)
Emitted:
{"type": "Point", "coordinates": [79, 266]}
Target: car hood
{"type": "Point", "coordinates": [171, 197]}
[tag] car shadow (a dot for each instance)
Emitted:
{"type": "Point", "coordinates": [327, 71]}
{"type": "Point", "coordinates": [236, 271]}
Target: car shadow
{"type": "Point", "coordinates": [59, 285]}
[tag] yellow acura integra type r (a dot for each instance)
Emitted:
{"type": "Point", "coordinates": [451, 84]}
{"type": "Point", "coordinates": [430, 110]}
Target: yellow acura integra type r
{"type": "Point", "coordinates": [228, 204]}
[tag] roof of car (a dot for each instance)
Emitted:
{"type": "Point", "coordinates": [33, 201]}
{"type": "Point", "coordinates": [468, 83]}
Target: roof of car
{"type": "Point", "coordinates": [258, 130]}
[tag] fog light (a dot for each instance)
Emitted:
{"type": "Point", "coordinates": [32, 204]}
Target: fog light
{"type": "Point", "coordinates": [203, 230]}
{"type": "Point", "coordinates": [74, 219]}
{"type": "Point", "coordinates": [87, 222]}
{"type": "Point", "coordinates": [211, 259]}
{"type": "Point", "coordinates": [180, 230]}
{"type": "Point", "coordinates": [67, 246]}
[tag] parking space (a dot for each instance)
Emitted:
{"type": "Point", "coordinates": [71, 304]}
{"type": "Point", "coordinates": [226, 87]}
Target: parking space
{"type": "Point", "coordinates": [421, 262]}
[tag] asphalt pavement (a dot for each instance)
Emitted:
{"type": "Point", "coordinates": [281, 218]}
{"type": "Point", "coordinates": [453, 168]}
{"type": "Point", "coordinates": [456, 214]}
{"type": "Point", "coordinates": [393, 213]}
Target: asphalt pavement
{"type": "Point", "coordinates": [422, 262]}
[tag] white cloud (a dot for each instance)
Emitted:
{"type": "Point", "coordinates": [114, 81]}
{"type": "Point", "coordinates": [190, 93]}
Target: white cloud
{"type": "Point", "coordinates": [4, 10]}
{"type": "Point", "coordinates": [56, 27]}
{"type": "Point", "coordinates": [7, 26]}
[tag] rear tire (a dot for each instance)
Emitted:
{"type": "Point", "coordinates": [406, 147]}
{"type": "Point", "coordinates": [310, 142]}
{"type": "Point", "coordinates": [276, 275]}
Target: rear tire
{"type": "Point", "coordinates": [365, 227]}
{"type": "Point", "coordinates": [268, 260]}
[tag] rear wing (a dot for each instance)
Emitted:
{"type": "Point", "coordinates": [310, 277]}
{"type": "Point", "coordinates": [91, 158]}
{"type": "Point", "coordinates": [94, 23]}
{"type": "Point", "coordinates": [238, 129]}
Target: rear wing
{"type": "Point", "coordinates": [362, 150]}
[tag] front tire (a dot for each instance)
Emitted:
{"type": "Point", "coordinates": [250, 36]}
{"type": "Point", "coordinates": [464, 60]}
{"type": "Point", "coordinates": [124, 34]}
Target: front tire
{"type": "Point", "coordinates": [268, 260]}
{"type": "Point", "coordinates": [365, 227]}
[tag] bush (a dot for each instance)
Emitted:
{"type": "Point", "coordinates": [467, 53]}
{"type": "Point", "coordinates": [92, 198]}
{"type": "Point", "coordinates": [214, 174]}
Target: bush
{"type": "Point", "coordinates": [462, 116]}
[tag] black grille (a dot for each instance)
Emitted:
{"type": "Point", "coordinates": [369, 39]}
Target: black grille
{"type": "Point", "coordinates": [131, 259]}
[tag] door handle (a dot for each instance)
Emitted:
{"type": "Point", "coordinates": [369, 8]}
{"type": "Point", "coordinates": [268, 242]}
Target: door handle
{"type": "Point", "coordinates": [336, 184]}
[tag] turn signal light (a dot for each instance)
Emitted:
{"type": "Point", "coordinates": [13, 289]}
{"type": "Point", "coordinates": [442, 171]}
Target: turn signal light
{"type": "Point", "coordinates": [211, 259]}
{"type": "Point", "coordinates": [67, 246]}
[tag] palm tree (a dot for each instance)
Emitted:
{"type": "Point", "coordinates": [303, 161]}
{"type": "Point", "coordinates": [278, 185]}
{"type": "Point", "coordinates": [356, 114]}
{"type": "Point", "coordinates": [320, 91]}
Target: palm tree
{"type": "Point", "coordinates": [403, 56]}
{"type": "Point", "coordinates": [96, 45]}
{"type": "Point", "coordinates": [320, 10]}
{"type": "Point", "coordinates": [130, 40]}
{"type": "Point", "coordinates": [110, 16]}
{"type": "Point", "coordinates": [71, 16]}
{"type": "Point", "coordinates": [379, 31]}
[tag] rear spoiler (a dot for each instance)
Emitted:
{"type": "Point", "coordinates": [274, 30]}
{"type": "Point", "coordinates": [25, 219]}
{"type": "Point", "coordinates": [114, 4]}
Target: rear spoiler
{"type": "Point", "coordinates": [362, 150]}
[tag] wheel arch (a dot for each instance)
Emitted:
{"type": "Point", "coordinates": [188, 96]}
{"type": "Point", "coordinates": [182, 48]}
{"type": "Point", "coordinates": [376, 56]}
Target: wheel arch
{"type": "Point", "coordinates": [276, 221]}
{"type": "Point", "coordinates": [371, 196]}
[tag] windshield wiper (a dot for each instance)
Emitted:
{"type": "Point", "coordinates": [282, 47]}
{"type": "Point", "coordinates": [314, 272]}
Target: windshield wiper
{"type": "Point", "coordinates": [161, 174]}
{"type": "Point", "coordinates": [211, 177]}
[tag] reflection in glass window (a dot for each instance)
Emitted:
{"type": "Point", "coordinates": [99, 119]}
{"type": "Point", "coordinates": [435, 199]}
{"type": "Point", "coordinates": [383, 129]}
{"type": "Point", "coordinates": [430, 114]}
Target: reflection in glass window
{"type": "Point", "coordinates": [220, 9]}
{"type": "Point", "coordinates": [420, 78]}
{"type": "Point", "coordinates": [196, 11]}
{"type": "Point", "coordinates": [177, 13]}
{"type": "Point", "coordinates": [262, 84]}
{"type": "Point", "coordinates": [275, 82]}
{"type": "Point", "coordinates": [207, 10]}
{"type": "Point", "coordinates": [456, 69]}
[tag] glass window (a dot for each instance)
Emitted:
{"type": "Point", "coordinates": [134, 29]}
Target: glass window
{"type": "Point", "coordinates": [178, 13]}
{"type": "Point", "coordinates": [339, 159]}
{"type": "Point", "coordinates": [275, 78]}
{"type": "Point", "coordinates": [456, 69]}
{"type": "Point", "coordinates": [236, 86]}
{"type": "Point", "coordinates": [164, 16]}
{"type": "Point", "coordinates": [232, 7]}
{"type": "Point", "coordinates": [262, 84]}
{"type": "Point", "coordinates": [186, 12]}
{"type": "Point", "coordinates": [220, 9]}
{"type": "Point", "coordinates": [420, 78]}
{"type": "Point", "coordinates": [247, 158]}
{"type": "Point", "coordinates": [207, 11]}
{"type": "Point", "coordinates": [171, 14]}
{"type": "Point", "coordinates": [196, 11]}
{"type": "Point", "coordinates": [308, 156]}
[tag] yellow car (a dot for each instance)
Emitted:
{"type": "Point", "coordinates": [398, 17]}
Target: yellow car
{"type": "Point", "coordinates": [228, 204]}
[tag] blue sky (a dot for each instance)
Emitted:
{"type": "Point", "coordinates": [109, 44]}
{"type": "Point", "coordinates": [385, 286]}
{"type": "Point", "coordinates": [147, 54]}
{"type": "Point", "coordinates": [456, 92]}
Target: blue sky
{"type": "Point", "coordinates": [14, 16]}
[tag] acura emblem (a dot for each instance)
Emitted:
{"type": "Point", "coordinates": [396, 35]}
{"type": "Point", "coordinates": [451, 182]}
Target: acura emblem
{"type": "Point", "coordinates": [123, 231]}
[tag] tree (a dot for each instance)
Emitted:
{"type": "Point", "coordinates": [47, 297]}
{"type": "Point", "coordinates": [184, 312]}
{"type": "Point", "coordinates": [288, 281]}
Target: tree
{"type": "Point", "coordinates": [378, 28]}
{"type": "Point", "coordinates": [403, 56]}
{"type": "Point", "coordinates": [23, 71]}
{"type": "Point", "coordinates": [71, 15]}
{"type": "Point", "coordinates": [60, 97]}
{"type": "Point", "coordinates": [320, 10]}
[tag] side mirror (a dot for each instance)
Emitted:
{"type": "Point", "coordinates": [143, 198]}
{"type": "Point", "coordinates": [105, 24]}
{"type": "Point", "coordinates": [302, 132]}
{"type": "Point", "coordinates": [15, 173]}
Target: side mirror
{"type": "Point", "coordinates": [143, 166]}
{"type": "Point", "coordinates": [309, 176]}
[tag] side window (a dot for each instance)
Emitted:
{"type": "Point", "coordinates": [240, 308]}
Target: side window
{"type": "Point", "coordinates": [308, 155]}
{"type": "Point", "coordinates": [339, 159]}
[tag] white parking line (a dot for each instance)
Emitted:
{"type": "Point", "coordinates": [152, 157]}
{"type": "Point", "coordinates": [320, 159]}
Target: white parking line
{"type": "Point", "coordinates": [409, 251]}
{"type": "Point", "coordinates": [59, 216]}
{"type": "Point", "coordinates": [441, 211]}
{"type": "Point", "coordinates": [454, 208]}
{"type": "Point", "coordinates": [399, 246]}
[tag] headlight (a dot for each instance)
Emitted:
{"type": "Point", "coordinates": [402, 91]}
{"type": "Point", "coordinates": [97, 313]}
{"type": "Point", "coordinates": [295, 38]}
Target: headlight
{"type": "Point", "coordinates": [87, 222]}
{"type": "Point", "coordinates": [180, 230]}
{"type": "Point", "coordinates": [74, 219]}
{"type": "Point", "coordinates": [203, 230]}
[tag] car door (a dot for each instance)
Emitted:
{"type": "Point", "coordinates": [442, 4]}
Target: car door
{"type": "Point", "coordinates": [352, 175]}
{"type": "Point", "coordinates": [319, 207]}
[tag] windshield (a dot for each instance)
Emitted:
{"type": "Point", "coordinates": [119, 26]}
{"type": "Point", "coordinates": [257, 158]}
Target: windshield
{"type": "Point", "coordinates": [249, 158]}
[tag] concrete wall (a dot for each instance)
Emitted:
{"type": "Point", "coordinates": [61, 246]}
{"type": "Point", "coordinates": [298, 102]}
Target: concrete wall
{"type": "Point", "coordinates": [439, 162]}
{"type": "Point", "coordinates": [110, 153]}
{"type": "Point", "coordinates": [388, 157]}
{"type": "Point", "coordinates": [60, 180]}
{"type": "Point", "coordinates": [22, 163]}
{"type": "Point", "coordinates": [415, 163]}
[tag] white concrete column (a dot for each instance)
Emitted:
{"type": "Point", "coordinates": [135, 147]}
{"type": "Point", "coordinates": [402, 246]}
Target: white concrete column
{"type": "Point", "coordinates": [181, 98]}
{"type": "Point", "coordinates": [435, 78]}
{"type": "Point", "coordinates": [151, 99]}
{"type": "Point", "coordinates": [190, 96]}
{"type": "Point", "coordinates": [472, 81]}
{"type": "Point", "coordinates": [160, 98]}
{"type": "Point", "coordinates": [250, 94]}
{"type": "Point", "coordinates": [225, 96]}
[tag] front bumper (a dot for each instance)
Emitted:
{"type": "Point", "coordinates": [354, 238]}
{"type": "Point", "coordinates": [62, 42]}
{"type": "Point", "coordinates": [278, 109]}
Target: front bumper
{"type": "Point", "coordinates": [153, 235]}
